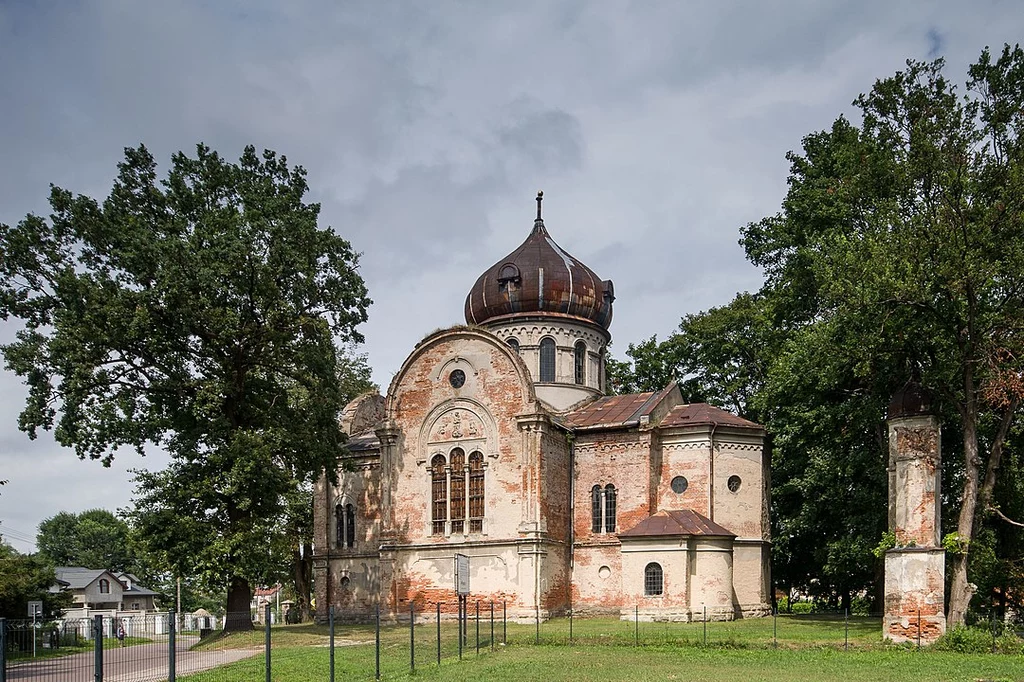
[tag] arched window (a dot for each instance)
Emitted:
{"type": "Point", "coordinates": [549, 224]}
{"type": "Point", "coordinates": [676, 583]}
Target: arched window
{"type": "Point", "coordinates": [350, 525]}
{"type": "Point", "coordinates": [339, 525]}
{"type": "Point", "coordinates": [457, 505]}
{"type": "Point", "coordinates": [609, 508]}
{"type": "Point", "coordinates": [654, 582]}
{"type": "Point", "coordinates": [513, 343]}
{"type": "Point", "coordinates": [547, 359]}
{"type": "Point", "coordinates": [104, 586]}
{"type": "Point", "coordinates": [595, 509]}
{"type": "Point", "coordinates": [438, 494]}
{"type": "Point", "coordinates": [579, 363]}
{"type": "Point", "coordinates": [476, 492]}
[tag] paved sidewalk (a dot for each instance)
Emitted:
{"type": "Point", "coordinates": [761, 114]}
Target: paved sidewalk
{"type": "Point", "coordinates": [140, 663]}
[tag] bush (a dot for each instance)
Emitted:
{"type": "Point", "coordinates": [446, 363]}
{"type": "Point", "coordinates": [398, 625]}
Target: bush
{"type": "Point", "coordinates": [800, 607]}
{"type": "Point", "coordinates": [967, 640]}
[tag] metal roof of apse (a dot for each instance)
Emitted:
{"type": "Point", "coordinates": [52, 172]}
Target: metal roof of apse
{"type": "Point", "coordinates": [676, 522]}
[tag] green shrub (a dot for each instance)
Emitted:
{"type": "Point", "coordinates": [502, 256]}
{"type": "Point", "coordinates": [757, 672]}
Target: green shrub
{"type": "Point", "coordinates": [967, 640]}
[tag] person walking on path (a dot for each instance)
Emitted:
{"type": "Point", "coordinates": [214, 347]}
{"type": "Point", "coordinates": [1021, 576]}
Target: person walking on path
{"type": "Point", "coordinates": [120, 634]}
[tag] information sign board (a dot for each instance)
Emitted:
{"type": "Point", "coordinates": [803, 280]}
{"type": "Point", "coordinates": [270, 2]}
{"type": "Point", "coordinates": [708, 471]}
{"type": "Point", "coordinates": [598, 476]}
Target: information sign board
{"type": "Point", "coordinates": [462, 574]}
{"type": "Point", "coordinates": [35, 608]}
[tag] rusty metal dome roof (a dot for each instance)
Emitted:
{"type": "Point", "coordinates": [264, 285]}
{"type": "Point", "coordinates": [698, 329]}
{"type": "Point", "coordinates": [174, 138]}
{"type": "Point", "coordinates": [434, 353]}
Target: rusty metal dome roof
{"type": "Point", "coordinates": [540, 277]}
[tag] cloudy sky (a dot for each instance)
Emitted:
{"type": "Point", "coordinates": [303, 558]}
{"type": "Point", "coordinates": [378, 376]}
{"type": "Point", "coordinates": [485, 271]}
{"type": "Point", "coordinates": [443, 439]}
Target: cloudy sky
{"type": "Point", "coordinates": [656, 130]}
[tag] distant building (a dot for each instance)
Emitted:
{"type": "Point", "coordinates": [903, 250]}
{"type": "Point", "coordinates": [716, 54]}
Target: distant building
{"type": "Point", "coordinates": [496, 440]}
{"type": "Point", "coordinates": [98, 591]}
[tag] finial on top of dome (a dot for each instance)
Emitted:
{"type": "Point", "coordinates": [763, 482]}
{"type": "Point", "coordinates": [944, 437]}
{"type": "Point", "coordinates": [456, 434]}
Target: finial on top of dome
{"type": "Point", "coordinates": [538, 224]}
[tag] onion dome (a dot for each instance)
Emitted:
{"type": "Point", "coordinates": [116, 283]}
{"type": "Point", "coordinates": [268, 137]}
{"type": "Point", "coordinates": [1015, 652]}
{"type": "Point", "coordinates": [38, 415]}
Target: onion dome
{"type": "Point", "coordinates": [910, 401]}
{"type": "Point", "coordinates": [539, 277]}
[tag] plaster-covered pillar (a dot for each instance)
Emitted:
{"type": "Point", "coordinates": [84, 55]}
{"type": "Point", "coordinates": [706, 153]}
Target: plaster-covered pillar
{"type": "Point", "coordinates": [915, 568]}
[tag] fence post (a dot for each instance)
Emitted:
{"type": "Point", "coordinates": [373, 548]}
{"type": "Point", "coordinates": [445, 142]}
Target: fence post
{"type": "Point", "coordinates": [636, 625]}
{"type": "Point", "coordinates": [492, 625]}
{"type": "Point", "coordinates": [376, 674]}
{"type": "Point", "coordinates": [172, 653]}
{"type": "Point", "coordinates": [919, 628]}
{"type": "Point", "coordinates": [537, 620]}
{"type": "Point", "coordinates": [705, 625]}
{"type": "Point", "coordinates": [993, 631]}
{"type": "Point", "coordinates": [775, 627]}
{"type": "Point", "coordinates": [846, 630]}
{"type": "Point", "coordinates": [412, 636]}
{"type": "Point", "coordinates": [266, 639]}
{"type": "Point", "coordinates": [330, 629]}
{"type": "Point", "coordinates": [504, 622]}
{"type": "Point", "coordinates": [3, 650]}
{"type": "Point", "coordinates": [97, 648]}
{"type": "Point", "coordinates": [439, 633]}
{"type": "Point", "coordinates": [570, 626]}
{"type": "Point", "coordinates": [477, 627]}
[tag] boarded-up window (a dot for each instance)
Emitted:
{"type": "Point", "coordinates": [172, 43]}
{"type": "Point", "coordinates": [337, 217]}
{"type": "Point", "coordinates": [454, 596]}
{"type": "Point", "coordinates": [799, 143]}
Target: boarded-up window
{"type": "Point", "coordinates": [458, 499]}
{"type": "Point", "coordinates": [609, 508]}
{"type": "Point", "coordinates": [579, 363]}
{"type": "Point", "coordinates": [547, 359]}
{"type": "Point", "coordinates": [595, 509]}
{"type": "Point", "coordinates": [438, 494]}
{"type": "Point", "coordinates": [350, 525]}
{"type": "Point", "coordinates": [476, 492]}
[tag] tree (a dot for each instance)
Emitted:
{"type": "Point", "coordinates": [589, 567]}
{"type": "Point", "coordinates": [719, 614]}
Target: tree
{"type": "Point", "coordinates": [199, 313]}
{"type": "Point", "coordinates": [93, 539]}
{"type": "Point", "coordinates": [25, 578]}
{"type": "Point", "coordinates": [907, 233]}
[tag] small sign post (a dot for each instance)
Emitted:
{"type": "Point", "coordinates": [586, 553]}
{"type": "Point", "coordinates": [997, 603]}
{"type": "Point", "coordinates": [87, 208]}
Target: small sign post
{"type": "Point", "coordinates": [462, 590]}
{"type": "Point", "coordinates": [35, 609]}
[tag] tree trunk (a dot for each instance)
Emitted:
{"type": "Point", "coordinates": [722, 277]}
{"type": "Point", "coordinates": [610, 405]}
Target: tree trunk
{"type": "Point", "coordinates": [961, 591]}
{"type": "Point", "coordinates": [302, 568]}
{"type": "Point", "coordinates": [239, 617]}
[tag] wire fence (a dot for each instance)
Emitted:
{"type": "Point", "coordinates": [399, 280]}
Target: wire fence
{"type": "Point", "coordinates": [372, 645]}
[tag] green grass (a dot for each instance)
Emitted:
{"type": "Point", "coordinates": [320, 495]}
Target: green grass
{"type": "Point", "coordinates": [810, 648]}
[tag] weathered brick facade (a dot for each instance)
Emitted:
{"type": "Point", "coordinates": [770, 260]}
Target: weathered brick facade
{"type": "Point", "coordinates": [494, 441]}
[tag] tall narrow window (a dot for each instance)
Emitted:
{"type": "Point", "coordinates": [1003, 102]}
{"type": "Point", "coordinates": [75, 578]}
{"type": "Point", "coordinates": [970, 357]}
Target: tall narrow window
{"type": "Point", "coordinates": [547, 359]}
{"type": "Point", "coordinates": [595, 509]}
{"type": "Point", "coordinates": [438, 494]}
{"type": "Point", "coordinates": [476, 492]}
{"type": "Point", "coordinates": [458, 500]}
{"type": "Point", "coordinates": [513, 343]}
{"type": "Point", "coordinates": [609, 508]}
{"type": "Point", "coordinates": [579, 363]}
{"type": "Point", "coordinates": [654, 580]}
{"type": "Point", "coordinates": [350, 525]}
{"type": "Point", "coordinates": [339, 525]}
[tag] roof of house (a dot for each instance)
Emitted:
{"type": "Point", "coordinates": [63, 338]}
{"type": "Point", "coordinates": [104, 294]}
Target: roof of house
{"type": "Point", "coordinates": [674, 522]}
{"type": "Point", "coordinates": [267, 591]}
{"type": "Point", "coordinates": [79, 578]}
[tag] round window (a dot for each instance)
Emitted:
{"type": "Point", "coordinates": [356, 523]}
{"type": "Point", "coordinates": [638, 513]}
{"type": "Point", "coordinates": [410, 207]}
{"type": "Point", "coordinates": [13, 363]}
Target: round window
{"type": "Point", "coordinates": [457, 378]}
{"type": "Point", "coordinates": [604, 572]}
{"type": "Point", "coordinates": [734, 483]}
{"type": "Point", "coordinates": [679, 484]}
{"type": "Point", "coordinates": [344, 581]}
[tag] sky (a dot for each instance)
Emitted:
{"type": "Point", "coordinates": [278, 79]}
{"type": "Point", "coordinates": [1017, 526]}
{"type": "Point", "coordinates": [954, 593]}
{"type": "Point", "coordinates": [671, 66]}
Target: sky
{"type": "Point", "coordinates": [657, 130]}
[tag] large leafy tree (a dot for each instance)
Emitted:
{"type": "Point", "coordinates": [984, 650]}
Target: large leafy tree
{"type": "Point", "coordinates": [907, 233]}
{"type": "Point", "coordinates": [24, 578]}
{"type": "Point", "coordinates": [94, 539]}
{"type": "Point", "coordinates": [199, 312]}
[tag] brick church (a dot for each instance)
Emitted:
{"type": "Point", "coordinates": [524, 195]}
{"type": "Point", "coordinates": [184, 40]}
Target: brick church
{"type": "Point", "coordinates": [496, 440]}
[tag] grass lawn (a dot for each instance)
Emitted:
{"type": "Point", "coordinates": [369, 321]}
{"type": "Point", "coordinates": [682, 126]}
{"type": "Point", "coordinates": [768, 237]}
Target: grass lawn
{"type": "Point", "coordinates": [810, 648]}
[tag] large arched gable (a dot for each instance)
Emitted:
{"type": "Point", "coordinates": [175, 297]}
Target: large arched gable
{"type": "Point", "coordinates": [455, 336]}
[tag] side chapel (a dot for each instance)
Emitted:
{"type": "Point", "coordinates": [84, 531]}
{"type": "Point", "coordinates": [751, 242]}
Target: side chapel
{"type": "Point", "coordinates": [496, 440]}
